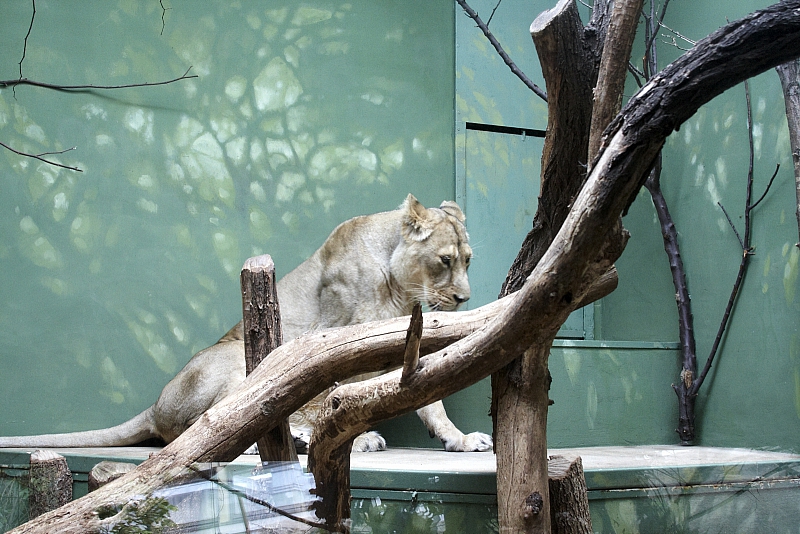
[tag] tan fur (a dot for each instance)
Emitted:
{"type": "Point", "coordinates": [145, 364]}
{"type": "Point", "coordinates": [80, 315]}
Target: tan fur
{"type": "Point", "coordinates": [370, 267]}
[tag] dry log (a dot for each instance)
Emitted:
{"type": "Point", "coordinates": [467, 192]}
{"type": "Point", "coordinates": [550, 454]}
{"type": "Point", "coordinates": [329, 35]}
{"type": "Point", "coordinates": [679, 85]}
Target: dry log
{"type": "Point", "coordinates": [736, 52]}
{"type": "Point", "coordinates": [261, 317]}
{"type": "Point", "coordinates": [50, 482]}
{"type": "Point", "coordinates": [106, 471]}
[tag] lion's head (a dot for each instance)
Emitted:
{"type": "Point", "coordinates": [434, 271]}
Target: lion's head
{"type": "Point", "coordinates": [431, 264]}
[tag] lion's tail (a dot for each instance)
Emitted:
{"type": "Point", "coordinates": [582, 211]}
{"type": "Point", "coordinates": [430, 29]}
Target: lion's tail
{"type": "Point", "coordinates": [133, 431]}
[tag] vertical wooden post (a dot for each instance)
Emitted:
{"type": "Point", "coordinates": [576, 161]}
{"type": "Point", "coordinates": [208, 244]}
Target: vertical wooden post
{"type": "Point", "coordinates": [262, 334]}
{"type": "Point", "coordinates": [50, 482]}
{"type": "Point", "coordinates": [569, 501]}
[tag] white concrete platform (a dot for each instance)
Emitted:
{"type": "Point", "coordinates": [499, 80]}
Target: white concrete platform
{"type": "Point", "coordinates": [593, 458]}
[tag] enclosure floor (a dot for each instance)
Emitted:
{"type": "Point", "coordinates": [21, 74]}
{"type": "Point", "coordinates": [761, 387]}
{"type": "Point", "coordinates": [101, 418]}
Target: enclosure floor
{"type": "Point", "coordinates": [593, 458]}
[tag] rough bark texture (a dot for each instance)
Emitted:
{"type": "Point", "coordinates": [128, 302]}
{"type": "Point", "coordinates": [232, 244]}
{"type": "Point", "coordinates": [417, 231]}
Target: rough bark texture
{"type": "Point", "coordinates": [261, 316]}
{"type": "Point", "coordinates": [789, 74]}
{"type": "Point", "coordinates": [732, 54]}
{"type": "Point", "coordinates": [613, 69]}
{"type": "Point", "coordinates": [570, 58]}
{"type": "Point", "coordinates": [569, 501]}
{"type": "Point", "coordinates": [354, 408]}
{"type": "Point", "coordinates": [50, 483]}
{"type": "Point", "coordinates": [106, 471]}
{"type": "Point", "coordinates": [669, 233]}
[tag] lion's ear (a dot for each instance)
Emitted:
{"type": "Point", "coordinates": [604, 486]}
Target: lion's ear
{"type": "Point", "coordinates": [451, 208]}
{"type": "Point", "coordinates": [417, 221]}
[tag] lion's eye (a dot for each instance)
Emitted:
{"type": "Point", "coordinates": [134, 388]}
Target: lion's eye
{"type": "Point", "coordinates": [446, 260]}
{"type": "Point", "coordinates": [467, 260]}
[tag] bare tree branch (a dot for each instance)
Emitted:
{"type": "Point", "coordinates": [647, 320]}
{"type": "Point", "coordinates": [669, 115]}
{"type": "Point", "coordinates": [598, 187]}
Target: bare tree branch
{"type": "Point", "coordinates": [41, 158]}
{"type": "Point", "coordinates": [25, 41]}
{"type": "Point", "coordinates": [91, 87]}
{"type": "Point", "coordinates": [744, 241]}
{"type": "Point", "coordinates": [506, 59]}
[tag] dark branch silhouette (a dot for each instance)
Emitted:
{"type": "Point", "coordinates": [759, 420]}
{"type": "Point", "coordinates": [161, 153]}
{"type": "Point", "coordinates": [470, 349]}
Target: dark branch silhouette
{"type": "Point", "coordinates": [471, 13]}
{"type": "Point", "coordinates": [91, 87]}
{"type": "Point", "coordinates": [88, 88]}
{"type": "Point", "coordinates": [40, 157]}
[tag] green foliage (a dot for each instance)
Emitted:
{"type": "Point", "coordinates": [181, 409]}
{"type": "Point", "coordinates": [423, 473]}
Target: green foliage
{"type": "Point", "coordinates": [147, 515]}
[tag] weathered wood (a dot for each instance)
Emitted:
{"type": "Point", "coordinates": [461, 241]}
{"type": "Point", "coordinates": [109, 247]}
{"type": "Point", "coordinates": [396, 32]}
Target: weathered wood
{"type": "Point", "coordinates": [354, 408]}
{"type": "Point", "coordinates": [106, 471]}
{"type": "Point", "coordinates": [413, 337]}
{"type": "Point", "coordinates": [569, 500]}
{"type": "Point", "coordinates": [569, 55]}
{"type": "Point", "coordinates": [789, 74]}
{"type": "Point", "coordinates": [50, 482]}
{"type": "Point", "coordinates": [613, 68]}
{"type": "Point", "coordinates": [736, 52]}
{"type": "Point", "coordinates": [261, 317]}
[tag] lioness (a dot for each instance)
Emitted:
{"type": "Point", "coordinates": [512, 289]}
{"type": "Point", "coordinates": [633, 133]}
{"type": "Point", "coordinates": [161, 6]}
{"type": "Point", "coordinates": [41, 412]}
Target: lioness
{"type": "Point", "coordinates": [370, 267]}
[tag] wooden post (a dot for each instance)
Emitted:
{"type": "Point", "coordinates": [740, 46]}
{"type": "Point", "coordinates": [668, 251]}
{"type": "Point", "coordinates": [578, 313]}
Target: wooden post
{"type": "Point", "coordinates": [106, 471]}
{"type": "Point", "coordinates": [569, 501]}
{"type": "Point", "coordinates": [50, 482]}
{"type": "Point", "coordinates": [262, 334]}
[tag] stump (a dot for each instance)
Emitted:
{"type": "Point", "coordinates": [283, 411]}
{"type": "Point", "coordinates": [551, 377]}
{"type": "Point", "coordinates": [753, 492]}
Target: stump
{"type": "Point", "coordinates": [50, 482]}
{"type": "Point", "coordinates": [569, 502]}
{"type": "Point", "coordinates": [261, 317]}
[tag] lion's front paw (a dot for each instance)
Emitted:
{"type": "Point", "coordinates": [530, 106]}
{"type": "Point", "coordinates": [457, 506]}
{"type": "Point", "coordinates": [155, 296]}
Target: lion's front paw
{"type": "Point", "coordinates": [301, 442]}
{"type": "Point", "coordinates": [474, 442]}
{"type": "Point", "coordinates": [369, 442]}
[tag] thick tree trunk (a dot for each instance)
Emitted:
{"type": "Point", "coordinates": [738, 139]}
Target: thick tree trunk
{"type": "Point", "coordinates": [570, 58]}
{"type": "Point", "coordinates": [585, 247]}
{"type": "Point", "coordinates": [261, 318]}
{"type": "Point", "coordinates": [789, 74]}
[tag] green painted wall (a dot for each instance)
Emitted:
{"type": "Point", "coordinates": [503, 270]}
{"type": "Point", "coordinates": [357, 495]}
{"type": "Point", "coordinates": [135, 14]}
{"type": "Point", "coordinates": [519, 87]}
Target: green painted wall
{"type": "Point", "coordinates": [303, 114]}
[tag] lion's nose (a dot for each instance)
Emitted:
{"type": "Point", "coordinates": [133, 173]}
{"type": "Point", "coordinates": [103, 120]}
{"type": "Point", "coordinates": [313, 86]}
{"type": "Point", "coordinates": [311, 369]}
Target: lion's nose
{"type": "Point", "coordinates": [460, 299]}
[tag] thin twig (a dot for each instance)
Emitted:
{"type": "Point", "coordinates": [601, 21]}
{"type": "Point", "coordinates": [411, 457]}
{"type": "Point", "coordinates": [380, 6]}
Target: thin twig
{"type": "Point", "coordinates": [730, 223]}
{"type": "Point", "coordinates": [25, 41]}
{"type": "Point", "coordinates": [506, 59]}
{"type": "Point", "coordinates": [163, 13]}
{"type": "Point", "coordinates": [637, 74]}
{"type": "Point", "coordinates": [492, 15]}
{"type": "Point", "coordinates": [769, 185]}
{"type": "Point", "coordinates": [651, 28]}
{"type": "Point", "coordinates": [676, 33]}
{"type": "Point", "coordinates": [747, 250]}
{"type": "Point", "coordinates": [42, 159]}
{"type": "Point", "coordinates": [89, 87]}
